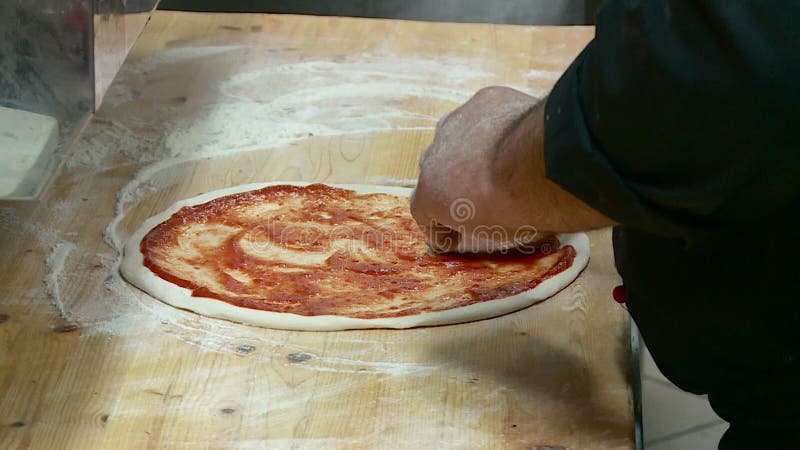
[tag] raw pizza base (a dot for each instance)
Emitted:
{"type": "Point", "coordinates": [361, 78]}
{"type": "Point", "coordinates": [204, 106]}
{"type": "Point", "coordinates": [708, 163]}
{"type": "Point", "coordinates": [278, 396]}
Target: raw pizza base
{"type": "Point", "coordinates": [134, 270]}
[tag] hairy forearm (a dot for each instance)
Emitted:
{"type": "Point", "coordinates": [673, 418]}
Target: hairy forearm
{"type": "Point", "coordinates": [517, 170]}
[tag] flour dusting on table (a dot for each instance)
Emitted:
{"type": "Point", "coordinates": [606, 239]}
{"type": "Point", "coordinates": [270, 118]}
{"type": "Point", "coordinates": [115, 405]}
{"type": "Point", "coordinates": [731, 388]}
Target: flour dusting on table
{"type": "Point", "coordinates": [257, 109]}
{"type": "Point", "coordinates": [55, 263]}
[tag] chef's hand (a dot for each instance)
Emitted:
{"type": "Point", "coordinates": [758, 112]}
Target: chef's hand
{"type": "Point", "coordinates": [482, 186]}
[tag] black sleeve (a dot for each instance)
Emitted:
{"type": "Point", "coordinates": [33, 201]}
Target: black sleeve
{"type": "Point", "coordinates": [681, 116]}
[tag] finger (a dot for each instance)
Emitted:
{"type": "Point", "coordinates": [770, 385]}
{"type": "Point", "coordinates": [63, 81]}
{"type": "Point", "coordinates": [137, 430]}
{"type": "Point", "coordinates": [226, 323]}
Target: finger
{"type": "Point", "coordinates": [442, 239]}
{"type": "Point", "coordinates": [416, 200]}
{"type": "Point", "coordinates": [527, 239]}
{"type": "Point", "coordinates": [442, 121]}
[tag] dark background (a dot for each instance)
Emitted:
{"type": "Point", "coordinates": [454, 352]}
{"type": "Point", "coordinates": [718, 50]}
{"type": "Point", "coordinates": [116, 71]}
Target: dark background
{"type": "Point", "coordinates": [523, 12]}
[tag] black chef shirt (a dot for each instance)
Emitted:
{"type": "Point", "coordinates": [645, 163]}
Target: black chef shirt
{"type": "Point", "coordinates": [681, 121]}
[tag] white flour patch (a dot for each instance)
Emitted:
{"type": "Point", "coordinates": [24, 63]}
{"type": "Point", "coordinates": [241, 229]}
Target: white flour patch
{"type": "Point", "coordinates": [104, 140]}
{"type": "Point", "coordinates": [453, 70]}
{"type": "Point", "coordinates": [119, 93]}
{"type": "Point", "coordinates": [14, 226]}
{"type": "Point", "coordinates": [178, 55]}
{"type": "Point", "coordinates": [333, 364]}
{"type": "Point", "coordinates": [550, 75]}
{"type": "Point", "coordinates": [55, 264]}
{"type": "Point", "coordinates": [391, 181]}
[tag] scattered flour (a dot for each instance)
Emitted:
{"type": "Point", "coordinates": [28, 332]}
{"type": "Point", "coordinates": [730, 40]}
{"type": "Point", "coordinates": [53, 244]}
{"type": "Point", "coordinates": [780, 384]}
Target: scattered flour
{"type": "Point", "coordinates": [391, 181]}
{"type": "Point", "coordinates": [55, 264]}
{"type": "Point", "coordinates": [542, 75]}
{"type": "Point", "coordinates": [13, 226]}
{"type": "Point", "coordinates": [118, 93]}
{"type": "Point", "coordinates": [92, 149]}
{"type": "Point", "coordinates": [257, 109]}
{"type": "Point", "coordinates": [334, 364]}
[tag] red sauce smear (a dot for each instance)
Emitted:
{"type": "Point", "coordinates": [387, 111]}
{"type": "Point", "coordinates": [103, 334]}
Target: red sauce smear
{"type": "Point", "coordinates": [387, 272]}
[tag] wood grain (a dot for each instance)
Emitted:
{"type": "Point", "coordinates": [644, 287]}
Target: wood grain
{"type": "Point", "coordinates": [120, 370]}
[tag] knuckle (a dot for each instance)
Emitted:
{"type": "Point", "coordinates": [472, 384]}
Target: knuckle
{"type": "Point", "coordinates": [416, 205]}
{"type": "Point", "coordinates": [488, 90]}
{"type": "Point", "coordinates": [491, 91]}
{"type": "Point", "coordinates": [442, 121]}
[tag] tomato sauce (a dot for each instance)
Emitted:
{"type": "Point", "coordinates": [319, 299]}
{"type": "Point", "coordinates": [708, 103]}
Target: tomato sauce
{"type": "Point", "coordinates": [384, 269]}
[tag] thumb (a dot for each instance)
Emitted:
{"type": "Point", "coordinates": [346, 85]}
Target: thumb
{"type": "Point", "coordinates": [441, 238]}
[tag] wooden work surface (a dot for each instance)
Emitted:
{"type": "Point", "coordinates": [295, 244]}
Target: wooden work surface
{"type": "Point", "coordinates": [208, 101]}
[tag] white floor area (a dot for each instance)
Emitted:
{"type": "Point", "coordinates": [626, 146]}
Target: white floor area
{"type": "Point", "coordinates": [674, 419]}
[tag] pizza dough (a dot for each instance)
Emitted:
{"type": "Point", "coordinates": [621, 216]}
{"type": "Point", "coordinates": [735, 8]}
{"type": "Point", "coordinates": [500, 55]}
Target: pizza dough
{"type": "Point", "coordinates": [136, 271]}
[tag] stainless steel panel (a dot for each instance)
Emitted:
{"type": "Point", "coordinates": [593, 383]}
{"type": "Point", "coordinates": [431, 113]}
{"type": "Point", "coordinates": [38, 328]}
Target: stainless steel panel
{"type": "Point", "coordinates": [522, 12]}
{"type": "Point", "coordinates": [57, 59]}
{"type": "Point", "coordinates": [46, 69]}
{"type": "Point", "coordinates": [117, 24]}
